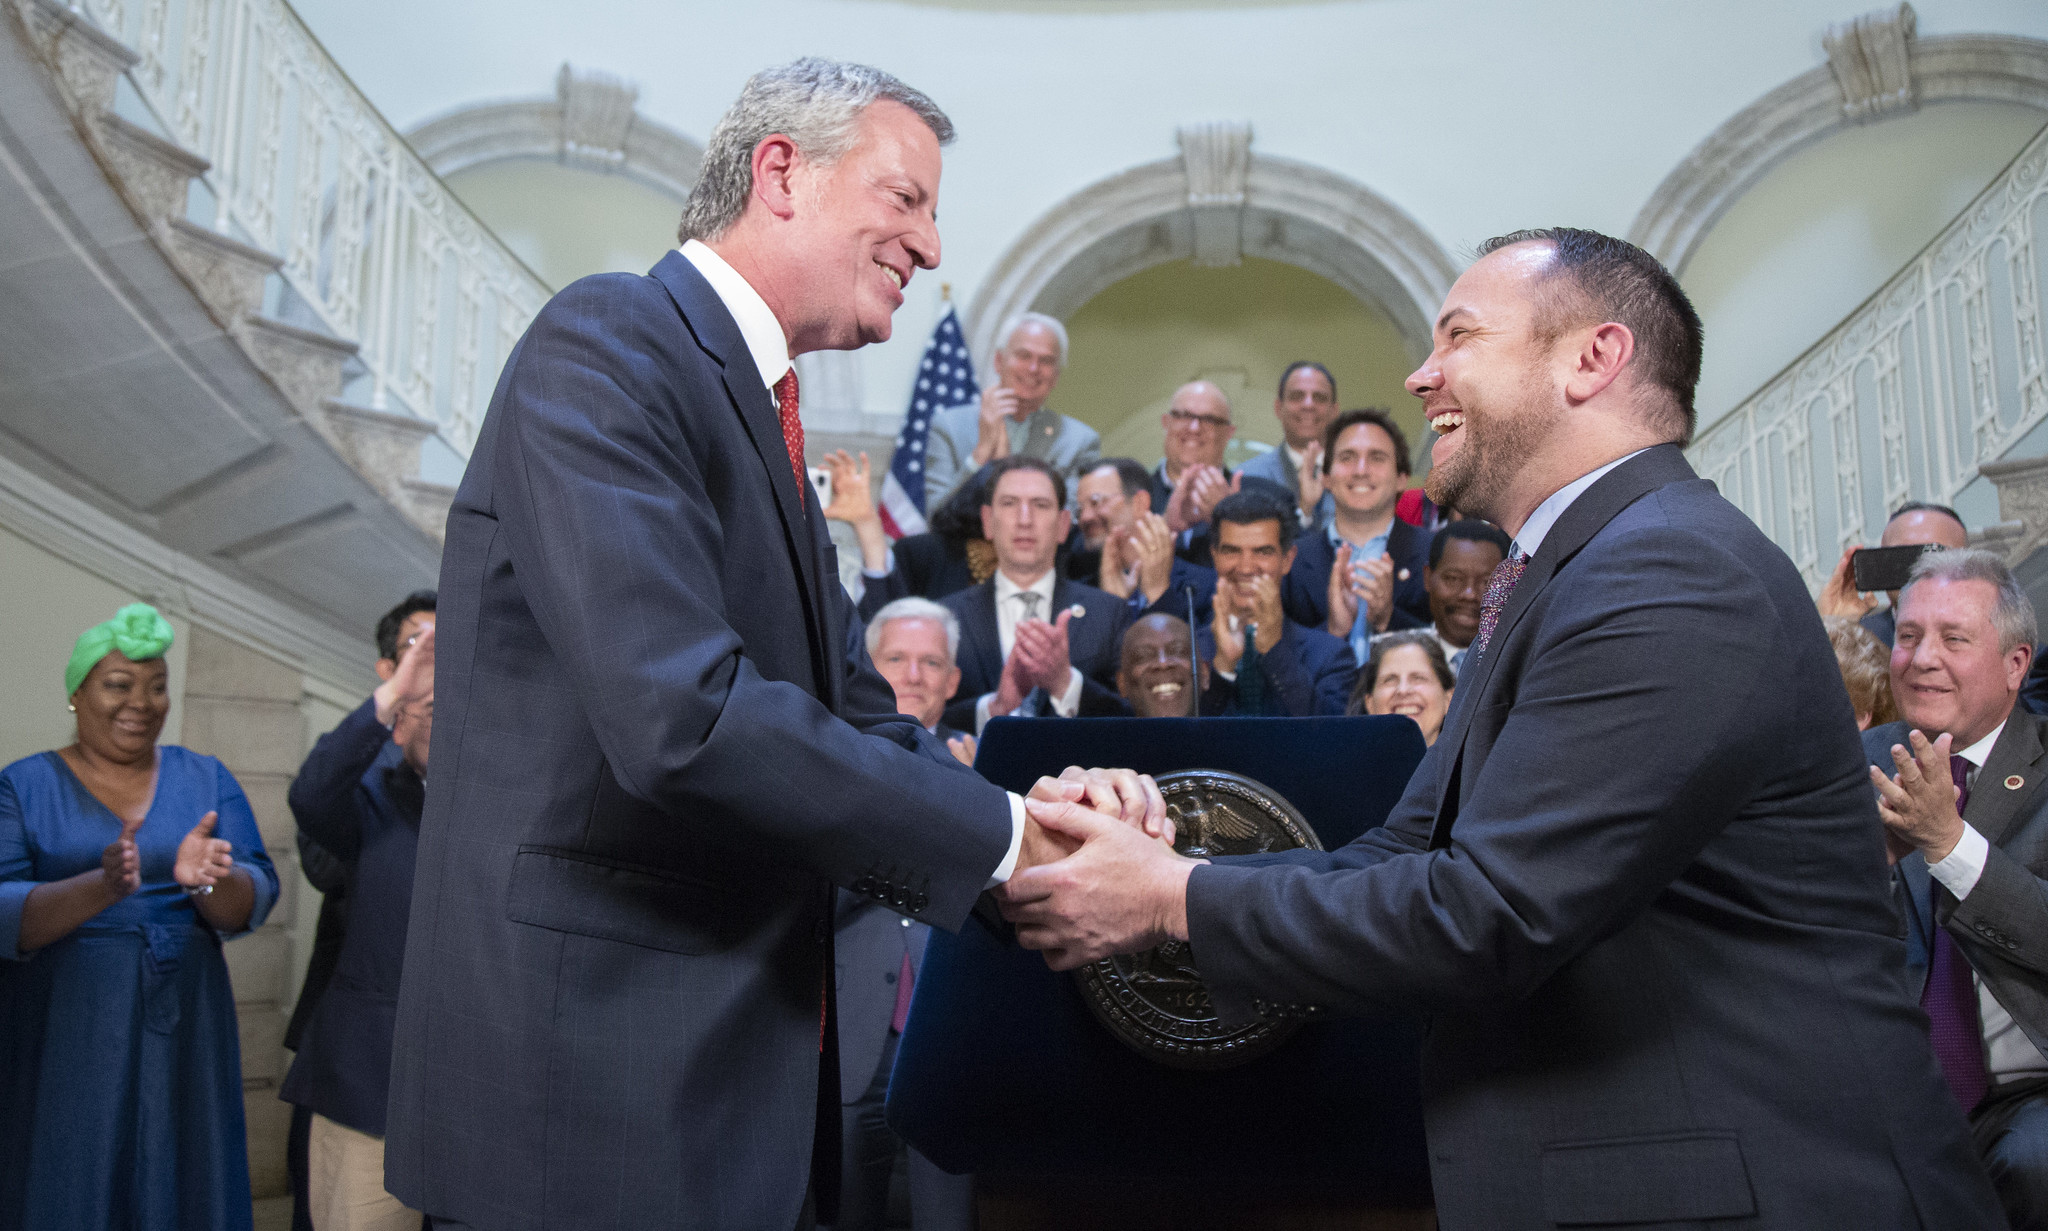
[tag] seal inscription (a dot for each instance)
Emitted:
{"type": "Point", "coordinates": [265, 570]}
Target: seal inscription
{"type": "Point", "coordinates": [1155, 1002]}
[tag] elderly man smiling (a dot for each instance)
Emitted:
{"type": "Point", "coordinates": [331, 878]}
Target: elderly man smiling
{"type": "Point", "coordinates": [1011, 419]}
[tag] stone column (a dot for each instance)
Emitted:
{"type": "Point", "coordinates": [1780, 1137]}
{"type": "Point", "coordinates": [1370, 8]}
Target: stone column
{"type": "Point", "coordinates": [243, 707]}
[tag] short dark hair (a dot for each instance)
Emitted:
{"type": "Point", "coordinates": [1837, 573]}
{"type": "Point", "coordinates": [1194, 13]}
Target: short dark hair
{"type": "Point", "coordinates": [1130, 472]}
{"type": "Point", "coordinates": [1385, 643]}
{"type": "Point", "coordinates": [1471, 530]}
{"type": "Point", "coordinates": [1379, 417]}
{"type": "Point", "coordinates": [394, 619]}
{"type": "Point", "coordinates": [1617, 281]}
{"type": "Point", "coordinates": [1250, 507]}
{"type": "Point", "coordinates": [1922, 506]}
{"type": "Point", "coordinates": [1015, 462]}
{"type": "Point", "coordinates": [1312, 366]}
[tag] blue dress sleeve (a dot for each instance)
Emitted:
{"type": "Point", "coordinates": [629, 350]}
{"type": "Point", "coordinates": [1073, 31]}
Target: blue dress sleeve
{"type": "Point", "coordinates": [17, 869]}
{"type": "Point", "coordinates": [237, 823]}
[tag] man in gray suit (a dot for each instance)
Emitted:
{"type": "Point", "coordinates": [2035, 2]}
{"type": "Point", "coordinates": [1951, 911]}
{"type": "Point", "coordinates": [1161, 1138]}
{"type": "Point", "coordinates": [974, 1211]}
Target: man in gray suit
{"type": "Point", "coordinates": [1968, 821]}
{"type": "Point", "coordinates": [1305, 405]}
{"type": "Point", "coordinates": [1638, 884]}
{"type": "Point", "coordinates": [1012, 418]}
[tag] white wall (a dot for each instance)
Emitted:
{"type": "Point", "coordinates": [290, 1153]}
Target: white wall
{"type": "Point", "coordinates": [565, 222]}
{"type": "Point", "coordinates": [1476, 118]}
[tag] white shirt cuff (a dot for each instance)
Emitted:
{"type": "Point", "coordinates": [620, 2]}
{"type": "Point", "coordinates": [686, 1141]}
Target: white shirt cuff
{"type": "Point", "coordinates": [888, 566]}
{"type": "Point", "coordinates": [1068, 703]}
{"type": "Point", "coordinates": [1008, 866]}
{"type": "Point", "coordinates": [981, 712]}
{"type": "Point", "coordinates": [1963, 867]}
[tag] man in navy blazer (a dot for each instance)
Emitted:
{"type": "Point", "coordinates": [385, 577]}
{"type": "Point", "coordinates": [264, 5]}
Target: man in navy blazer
{"type": "Point", "coordinates": [1365, 468]}
{"type": "Point", "coordinates": [1300, 672]}
{"type": "Point", "coordinates": [1032, 642]}
{"type": "Point", "coordinates": [654, 759]}
{"type": "Point", "coordinates": [1638, 884]}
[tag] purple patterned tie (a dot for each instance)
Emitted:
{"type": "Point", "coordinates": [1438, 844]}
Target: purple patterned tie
{"type": "Point", "coordinates": [1950, 998]}
{"type": "Point", "coordinates": [1505, 575]}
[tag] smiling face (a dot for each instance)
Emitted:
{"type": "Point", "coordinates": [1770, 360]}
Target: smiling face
{"type": "Point", "coordinates": [1104, 507]}
{"type": "Point", "coordinates": [1948, 673]}
{"type": "Point", "coordinates": [863, 226]}
{"type": "Point", "coordinates": [1247, 551]}
{"type": "Point", "coordinates": [910, 652]}
{"type": "Point", "coordinates": [1025, 522]}
{"type": "Point", "coordinates": [1198, 426]}
{"type": "Point", "coordinates": [1488, 389]}
{"type": "Point", "coordinates": [1407, 684]}
{"type": "Point", "coordinates": [1362, 474]}
{"type": "Point", "coordinates": [1457, 585]}
{"type": "Point", "coordinates": [1157, 675]}
{"type": "Point", "coordinates": [1305, 407]}
{"type": "Point", "coordinates": [1029, 364]}
{"type": "Point", "coordinates": [121, 707]}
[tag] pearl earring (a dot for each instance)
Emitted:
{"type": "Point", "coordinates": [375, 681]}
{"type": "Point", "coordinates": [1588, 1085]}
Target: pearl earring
{"type": "Point", "coordinates": [71, 707]}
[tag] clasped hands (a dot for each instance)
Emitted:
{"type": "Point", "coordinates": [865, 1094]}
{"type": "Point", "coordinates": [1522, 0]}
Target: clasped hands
{"type": "Point", "coordinates": [1138, 557]}
{"type": "Point", "coordinates": [1372, 583]}
{"type": "Point", "coordinates": [1918, 804]}
{"type": "Point", "coordinates": [1097, 873]}
{"type": "Point", "coordinates": [1038, 659]}
{"type": "Point", "coordinates": [1254, 601]}
{"type": "Point", "coordinates": [1200, 489]}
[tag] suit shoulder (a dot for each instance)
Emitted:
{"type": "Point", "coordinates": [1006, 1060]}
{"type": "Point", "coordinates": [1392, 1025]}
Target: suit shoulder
{"type": "Point", "coordinates": [1878, 741]}
{"type": "Point", "coordinates": [960, 602]}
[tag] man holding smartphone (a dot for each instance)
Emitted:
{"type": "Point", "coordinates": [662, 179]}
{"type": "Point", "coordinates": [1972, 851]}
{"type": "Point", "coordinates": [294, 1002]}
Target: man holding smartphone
{"type": "Point", "coordinates": [1913, 524]}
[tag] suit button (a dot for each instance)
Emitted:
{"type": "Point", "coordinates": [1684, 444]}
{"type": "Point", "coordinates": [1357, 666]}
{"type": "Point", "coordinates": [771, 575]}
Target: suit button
{"type": "Point", "coordinates": [917, 905]}
{"type": "Point", "coordinates": [906, 922]}
{"type": "Point", "coordinates": [890, 977]}
{"type": "Point", "coordinates": [862, 885]}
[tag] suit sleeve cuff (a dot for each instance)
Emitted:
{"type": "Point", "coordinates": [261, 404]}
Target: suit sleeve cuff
{"type": "Point", "coordinates": [1008, 866]}
{"type": "Point", "coordinates": [888, 566]}
{"type": "Point", "coordinates": [1961, 869]}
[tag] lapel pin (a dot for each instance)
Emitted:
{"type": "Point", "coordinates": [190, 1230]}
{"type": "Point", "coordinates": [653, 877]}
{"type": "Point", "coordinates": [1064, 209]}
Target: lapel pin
{"type": "Point", "coordinates": [2014, 782]}
{"type": "Point", "coordinates": [1077, 611]}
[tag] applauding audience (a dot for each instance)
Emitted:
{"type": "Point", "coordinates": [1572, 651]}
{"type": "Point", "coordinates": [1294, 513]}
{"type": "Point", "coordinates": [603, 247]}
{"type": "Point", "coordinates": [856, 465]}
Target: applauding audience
{"type": "Point", "coordinates": [1011, 419]}
{"type": "Point", "coordinates": [1261, 662]}
{"type": "Point", "coordinates": [1306, 403]}
{"type": "Point", "coordinates": [1160, 676]}
{"type": "Point", "coordinates": [1363, 573]}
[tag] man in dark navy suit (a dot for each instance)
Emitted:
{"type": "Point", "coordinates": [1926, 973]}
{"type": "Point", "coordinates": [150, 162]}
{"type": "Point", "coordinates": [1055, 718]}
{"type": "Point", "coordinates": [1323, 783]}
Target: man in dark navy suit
{"type": "Point", "coordinates": [655, 758]}
{"type": "Point", "coordinates": [1638, 884]}
{"type": "Point", "coordinates": [1361, 573]}
{"type": "Point", "coordinates": [1285, 670]}
{"type": "Point", "coordinates": [1032, 643]}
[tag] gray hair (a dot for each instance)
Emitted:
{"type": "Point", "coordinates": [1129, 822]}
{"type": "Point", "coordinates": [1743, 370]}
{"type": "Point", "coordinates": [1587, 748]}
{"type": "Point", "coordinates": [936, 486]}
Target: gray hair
{"type": "Point", "coordinates": [1050, 324]}
{"type": "Point", "coordinates": [915, 609]}
{"type": "Point", "coordinates": [817, 104]}
{"type": "Point", "coordinates": [2013, 615]}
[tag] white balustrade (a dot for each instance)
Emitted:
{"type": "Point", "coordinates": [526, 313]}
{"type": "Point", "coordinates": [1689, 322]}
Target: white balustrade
{"type": "Point", "coordinates": [1937, 373]}
{"type": "Point", "coordinates": [303, 166]}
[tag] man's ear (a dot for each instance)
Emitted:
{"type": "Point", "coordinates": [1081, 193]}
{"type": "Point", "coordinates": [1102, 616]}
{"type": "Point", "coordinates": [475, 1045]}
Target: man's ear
{"type": "Point", "coordinates": [775, 163]}
{"type": "Point", "coordinates": [1142, 501]}
{"type": "Point", "coordinates": [1066, 525]}
{"type": "Point", "coordinates": [988, 527]}
{"type": "Point", "coordinates": [1602, 354]}
{"type": "Point", "coordinates": [386, 668]}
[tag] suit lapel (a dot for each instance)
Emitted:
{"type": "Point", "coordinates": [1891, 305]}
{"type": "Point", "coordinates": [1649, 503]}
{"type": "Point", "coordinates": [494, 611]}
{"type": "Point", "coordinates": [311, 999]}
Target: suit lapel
{"type": "Point", "coordinates": [712, 324]}
{"type": "Point", "coordinates": [985, 635]}
{"type": "Point", "coordinates": [2018, 753]}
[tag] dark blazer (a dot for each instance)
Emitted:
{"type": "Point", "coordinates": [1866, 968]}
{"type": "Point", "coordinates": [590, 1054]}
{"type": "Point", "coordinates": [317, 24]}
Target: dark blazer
{"type": "Point", "coordinates": [1190, 584]}
{"type": "Point", "coordinates": [2002, 927]}
{"type": "Point", "coordinates": [327, 874]}
{"type": "Point", "coordinates": [1094, 644]}
{"type": "Point", "coordinates": [1882, 624]}
{"type": "Point", "coordinates": [1639, 887]}
{"type": "Point", "coordinates": [1310, 671]}
{"type": "Point", "coordinates": [1306, 596]}
{"type": "Point", "coordinates": [653, 760]}
{"type": "Point", "coordinates": [358, 799]}
{"type": "Point", "coordinates": [927, 566]}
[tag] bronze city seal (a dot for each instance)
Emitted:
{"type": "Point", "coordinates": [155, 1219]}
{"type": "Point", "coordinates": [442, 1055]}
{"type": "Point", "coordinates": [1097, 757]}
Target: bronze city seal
{"type": "Point", "coordinates": [1155, 1002]}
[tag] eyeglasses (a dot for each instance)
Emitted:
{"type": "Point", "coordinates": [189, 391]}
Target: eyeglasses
{"type": "Point", "coordinates": [1183, 418]}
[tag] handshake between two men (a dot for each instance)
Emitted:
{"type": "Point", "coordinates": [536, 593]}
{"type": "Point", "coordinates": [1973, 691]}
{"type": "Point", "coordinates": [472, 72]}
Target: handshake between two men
{"type": "Point", "coordinates": [1097, 873]}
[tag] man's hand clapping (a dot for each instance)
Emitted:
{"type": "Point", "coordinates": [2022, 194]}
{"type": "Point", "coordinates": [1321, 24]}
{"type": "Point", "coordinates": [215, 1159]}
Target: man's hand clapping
{"type": "Point", "coordinates": [1238, 604]}
{"type": "Point", "coordinates": [1918, 804]}
{"type": "Point", "coordinates": [1042, 647]}
{"type": "Point", "coordinates": [1372, 585]}
{"type": "Point", "coordinates": [853, 502]}
{"type": "Point", "coordinates": [1310, 476]}
{"type": "Point", "coordinates": [998, 407]}
{"type": "Point", "coordinates": [1200, 490]}
{"type": "Point", "coordinates": [412, 683]}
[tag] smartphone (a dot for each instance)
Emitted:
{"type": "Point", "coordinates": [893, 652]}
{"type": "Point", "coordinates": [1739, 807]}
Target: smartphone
{"type": "Point", "coordinates": [821, 482]}
{"type": "Point", "coordinates": [1886, 568]}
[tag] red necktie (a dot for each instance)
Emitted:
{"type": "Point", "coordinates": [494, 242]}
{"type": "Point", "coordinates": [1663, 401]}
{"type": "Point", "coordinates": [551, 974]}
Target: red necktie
{"type": "Point", "coordinates": [792, 429]}
{"type": "Point", "coordinates": [1950, 997]}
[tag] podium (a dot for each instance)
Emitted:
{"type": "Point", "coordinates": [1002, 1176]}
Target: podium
{"type": "Point", "coordinates": [1003, 1071]}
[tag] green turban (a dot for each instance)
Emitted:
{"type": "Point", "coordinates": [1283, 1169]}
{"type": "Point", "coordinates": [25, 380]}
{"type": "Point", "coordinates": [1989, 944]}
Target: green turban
{"type": "Point", "coordinates": [136, 630]}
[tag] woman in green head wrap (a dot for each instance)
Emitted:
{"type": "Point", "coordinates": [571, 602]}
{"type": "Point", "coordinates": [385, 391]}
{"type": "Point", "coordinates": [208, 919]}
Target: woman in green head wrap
{"type": "Point", "coordinates": [123, 865]}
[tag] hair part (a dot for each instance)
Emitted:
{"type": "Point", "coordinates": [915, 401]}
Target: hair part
{"type": "Point", "coordinates": [916, 609]}
{"type": "Point", "coordinates": [2012, 615]}
{"type": "Point", "coordinates": [1600, 278]}
{"type": "Point", "coordinates": [1470, 530]}
{"type": "Point", "coordinates": [1051, 324]}
{"type": "Point", "coordinates": [1248, 508]}
{"type": "Point", "coordinates": [1381, 418]}
{"type": "Point", "coordinates": [816, 103]}
{"type": "Point", "coordinates": [1310, 365]}
{"type": "Point", "coordinates": [1015, 462]}
{"type": "Point", "coordinates": [394, 619]}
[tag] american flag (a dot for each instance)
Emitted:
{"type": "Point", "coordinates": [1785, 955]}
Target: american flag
{"type": "Point", "coordinates": [945, 378]}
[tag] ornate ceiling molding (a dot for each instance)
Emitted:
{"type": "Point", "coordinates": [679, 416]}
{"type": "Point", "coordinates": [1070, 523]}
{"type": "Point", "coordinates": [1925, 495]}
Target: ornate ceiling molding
{"type": "Point", "coordinates": [1876, 68]}
{"type": "Point", "coordinates": [591, 123]}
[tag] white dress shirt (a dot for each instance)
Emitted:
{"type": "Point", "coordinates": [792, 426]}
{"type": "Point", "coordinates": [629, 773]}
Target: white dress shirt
{"type": "Point", "coordinates": [2008, 1052]}
{"type": "Point", "coordinates": [1537, 528]}
{"type": "Point", "coordinates": [769, 347]}
{"type": "Point", "coordinates": [1010, 612]}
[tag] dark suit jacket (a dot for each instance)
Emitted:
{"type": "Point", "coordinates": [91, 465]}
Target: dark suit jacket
{"type": "Point", "coordinates": [1309, 670]}
{"type": "Point", "coordinates": [2002, 927]}
{"type": "Point", "coordinates": [359, 800]}
{"type": "Point", "coordinates": [1306, 595]}
{"type": "Point", "coordinates": [1882, 624]}
{"type": "Point", "coordinates": [1639, 886]}
{"type": "Point", "coordinates": [327, 874]}
{"type": "Point", "coordinates": [1190, 585]}
{"type": "Point", "coordinates": [1094, 643]}
{"type": "Point", "coordinates": [652, 761]}
{"type": "Point", "coordinates": [927, 566]}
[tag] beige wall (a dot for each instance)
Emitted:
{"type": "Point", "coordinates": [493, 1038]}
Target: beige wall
{"type": "Point", "coordinates": [1239, 326]}
{"type": "Point", "coordinates": [565, 223]}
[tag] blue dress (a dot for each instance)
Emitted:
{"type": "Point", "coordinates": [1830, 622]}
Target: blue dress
{"type": "Point", "coordinates": [120, 1070]}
